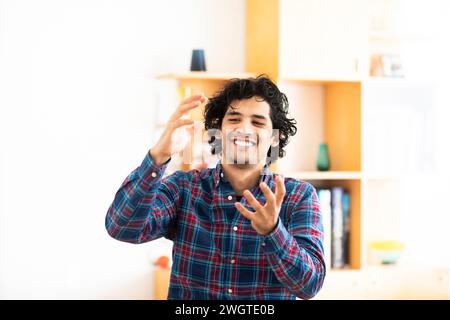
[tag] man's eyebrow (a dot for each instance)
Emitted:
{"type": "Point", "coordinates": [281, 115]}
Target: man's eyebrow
{"type": "Point", "coordinates": [236, 113]}
{"type": "Point", "coordinates": [259, 116]}
{"type": "Point", "coordinates": [233, 113]}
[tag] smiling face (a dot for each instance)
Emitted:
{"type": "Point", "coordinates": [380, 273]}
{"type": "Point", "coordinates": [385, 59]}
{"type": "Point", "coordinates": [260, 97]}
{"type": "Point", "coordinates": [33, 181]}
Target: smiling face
{"type": "Point", "coordinates": [246, 131]}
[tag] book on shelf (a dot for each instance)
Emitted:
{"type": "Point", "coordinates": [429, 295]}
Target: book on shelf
{"type": "Point", "coordinates": [325, 207]}
{"type": "Point", "coordinates": [335, 208]}
{"type": "Point", "coordinates": [337, 228]}
{"type": "Point", "coordinates": [346, 221]}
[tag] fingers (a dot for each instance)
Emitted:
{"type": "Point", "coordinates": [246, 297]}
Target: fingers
{"type": "Point", "coordinates": [185, 108]}
{"type": "Point", "coordinates": [182, 122]}
{"type": "Point", "coordinates": [192, 98]}
{"type": "Point", "coordinates": [252, 200]}
{"type": "Point", "coordinates": [280, 189]}
{"type": "Point", "coordinates": [270, 197]}
{"type": "Point", "coordinates": [246, 213]}
{"type": "Point", "coordinates": [189, 104]}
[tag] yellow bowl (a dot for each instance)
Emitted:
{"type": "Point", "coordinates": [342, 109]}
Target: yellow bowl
{"type": "Point", "coordinates": [387, 252]}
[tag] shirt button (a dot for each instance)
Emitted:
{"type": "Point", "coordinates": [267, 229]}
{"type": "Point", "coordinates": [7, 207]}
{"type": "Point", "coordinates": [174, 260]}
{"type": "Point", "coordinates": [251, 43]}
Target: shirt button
{"type": "Point", "coordinates": [230, 198]}
{"type": "Point", "coordinates": [221, 174]}
{"type": "Point", "coordinates": [235, 228]}
{"type": "Point", "coordinates": [233, 261]}
{"type": "Point", "coordinates": [263, 244]}
{"type": "Point", "coordinates": [230, 291]}
{"type": "Point", "coordinates": [153, 174]}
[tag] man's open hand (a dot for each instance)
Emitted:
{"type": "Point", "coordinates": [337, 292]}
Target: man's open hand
{"type": "Point", "coordinates": [265, 217]}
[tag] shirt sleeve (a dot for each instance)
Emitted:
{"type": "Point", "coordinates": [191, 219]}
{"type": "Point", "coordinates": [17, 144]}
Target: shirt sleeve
{"type": "Point", "coordinates": [295, 252]}
{"type": "Point", "coordinates": [144, 207]}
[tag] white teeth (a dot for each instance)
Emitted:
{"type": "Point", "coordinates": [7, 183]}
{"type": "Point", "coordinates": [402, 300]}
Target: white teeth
{"type": "Point", "coordinates": [243, 143]}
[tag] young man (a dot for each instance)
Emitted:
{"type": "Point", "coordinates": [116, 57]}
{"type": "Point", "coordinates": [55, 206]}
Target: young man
{"type": "Point", "coordinates": [238, 231]}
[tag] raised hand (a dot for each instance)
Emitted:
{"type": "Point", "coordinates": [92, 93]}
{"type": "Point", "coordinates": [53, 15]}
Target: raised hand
{"type": "Point", "coordinates": [265, 217]}
{"type": "Point", "coordinates": [175, 135]}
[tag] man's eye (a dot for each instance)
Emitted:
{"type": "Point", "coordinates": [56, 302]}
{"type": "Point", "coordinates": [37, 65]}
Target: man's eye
{"type": "Point", "coordinates": [258, 123]}
{"type": "Point", "coordinates": [233, 120]}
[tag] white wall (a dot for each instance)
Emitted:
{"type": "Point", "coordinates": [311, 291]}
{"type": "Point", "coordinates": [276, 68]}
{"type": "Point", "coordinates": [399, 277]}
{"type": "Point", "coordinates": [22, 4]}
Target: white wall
{"type": "Point", "coordinates": [426, 216]}
{"type": "Point", "coordinates": [77, 98]}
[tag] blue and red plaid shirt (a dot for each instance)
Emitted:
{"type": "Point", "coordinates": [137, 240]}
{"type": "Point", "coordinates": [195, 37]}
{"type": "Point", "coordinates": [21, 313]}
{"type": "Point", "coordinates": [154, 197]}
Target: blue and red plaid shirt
{"type": "Point", "coordinates": [216, 252]}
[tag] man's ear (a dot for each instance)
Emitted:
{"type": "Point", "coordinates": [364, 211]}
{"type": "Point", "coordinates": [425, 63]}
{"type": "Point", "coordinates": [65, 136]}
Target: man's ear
{"type": "Point", "coordinates": [275, 138]}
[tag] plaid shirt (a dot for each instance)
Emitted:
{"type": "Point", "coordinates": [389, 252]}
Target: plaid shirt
{"type": "Point", "coordinates": [216, 252]}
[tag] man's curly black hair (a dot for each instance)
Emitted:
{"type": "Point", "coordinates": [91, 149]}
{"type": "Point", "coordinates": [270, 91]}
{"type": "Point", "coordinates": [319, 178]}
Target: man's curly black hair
{"type": "Point", "coordinates": [239, 89]}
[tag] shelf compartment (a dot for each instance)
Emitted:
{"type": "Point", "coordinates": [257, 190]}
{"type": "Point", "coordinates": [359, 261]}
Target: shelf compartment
{"type": "Point", "coordinates": [352, 186]}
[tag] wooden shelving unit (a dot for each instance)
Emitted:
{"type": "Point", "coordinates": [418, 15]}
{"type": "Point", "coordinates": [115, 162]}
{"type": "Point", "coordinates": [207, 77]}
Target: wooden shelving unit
{"type": "Point", "coordinates": [338, 124]}
{"type": "Point", "coordinates": [326, 105]}
{"type": "Point", "coordinates": [328, 98]}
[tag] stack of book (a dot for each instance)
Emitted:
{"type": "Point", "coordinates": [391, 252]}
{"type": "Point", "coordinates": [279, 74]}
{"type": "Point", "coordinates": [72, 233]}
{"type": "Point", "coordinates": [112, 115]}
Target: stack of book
{"type": "Point", "coordinates": [335, 207]}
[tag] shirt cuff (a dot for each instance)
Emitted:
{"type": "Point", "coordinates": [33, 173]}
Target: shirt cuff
{"type": "Point", "coordinates": [149, 171]}
{"type": "Point", "coordinates": [276, 241]}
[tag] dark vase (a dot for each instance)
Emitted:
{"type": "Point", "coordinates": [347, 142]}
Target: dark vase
{"type": "Point", "coordinates": [198, 60]}
{"type": "Point", "coordinates": [323, 158]}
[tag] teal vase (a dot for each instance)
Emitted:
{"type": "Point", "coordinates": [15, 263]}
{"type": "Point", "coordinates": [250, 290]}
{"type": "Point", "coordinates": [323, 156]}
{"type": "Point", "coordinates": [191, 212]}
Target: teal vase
{"type": "Point", "coordinates": [323, 158]}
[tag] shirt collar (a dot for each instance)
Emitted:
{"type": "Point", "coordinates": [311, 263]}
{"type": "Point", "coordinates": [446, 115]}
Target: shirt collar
{"type": "Point", "coordinates": [219, 175]}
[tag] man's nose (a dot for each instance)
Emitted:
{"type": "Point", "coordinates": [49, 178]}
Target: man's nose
{"type": "Point", "coordinates": [246, 127]}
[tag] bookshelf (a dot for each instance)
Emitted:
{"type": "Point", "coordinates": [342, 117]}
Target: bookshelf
{"type": "Point", "coordinates": [334, 102]}
{"type": "Point", "coordinates": [322, 78]}
{"type": "Point", "coordinates": [328, 108]}
{"type": "Point", "coordinates": [319, 52]}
